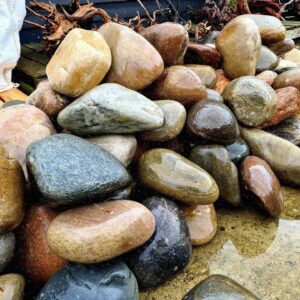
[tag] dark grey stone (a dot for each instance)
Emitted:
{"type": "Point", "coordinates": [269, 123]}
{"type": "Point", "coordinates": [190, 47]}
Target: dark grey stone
{"type": "Point", "coordinates": [7, 246]}
{"type": "Point", "coordinates": [267, 60]}
{"type": "Point", "coordinates": [238, 150]}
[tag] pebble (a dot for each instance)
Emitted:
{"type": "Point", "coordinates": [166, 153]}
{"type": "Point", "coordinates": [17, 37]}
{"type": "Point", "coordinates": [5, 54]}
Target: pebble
{"type": "Point", "coordinates": [12, 103]}
{"type": "Point", "coordinates": [288, 78]}
{"type": "Point", "coordinates": [108, 108]}
{"type": "Point", "coordinates": [122, 147]}
{"type": "Point", "coordinates": [12, 286]}
{"type": "Point", "coordinates": [36, 258]}
{"type": "Point", "coordinates": [171, 174]}
{"type": "Point", "coordinates": [267, 76]}
{"type": "Point", "coordinates": [213, 121]}
{"type": "Point", "coordinates": [283, 46]}
{"type": "Point", "coordinates": [216, 161]}
{"type": "Point", "coordinates": [293, 56]}
{"type": "Point", "coordinates": [174, 120]}
{"type": "Point", "coordinates": [214, 96]}
{"type": "Point", "coordinates": [238, 151]}
{"type": "Point", "coordinates": [80, 63]}
{"type": "Point", "coordinates": [169, 250]}
{"type": "Point", "coordinates": [282, 156]}
{"type": "Point", "coordinates": [112, 280]}
{"type": "Point", "coordinates": [135, 62]}
{"type": "Point", "coordinates": [100, 232]}
{"type": "Point", "coordinates": [170, 40]}
{"type": "Point", "coordinates": [202, 222]}
{"type": "Point", "coordinates": [252, 100]}
{"type": "Point", "coordinates": [69, 170]}
{"type": "Point", "coordinates": [7, 247]}
{"type": "Point", "coordinates": [267, 60]}
{"type": "Point", "coordinates": [259, 179]}
{"type": "Point", "coordinates": [222, 81]}
{"type": "Point", "coordinates": [239, 60]}
{"type": "Point", "coordinates": [207, 74]}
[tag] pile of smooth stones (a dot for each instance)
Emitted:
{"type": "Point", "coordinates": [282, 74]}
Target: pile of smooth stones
{"type": "Point", "coordinates": [110, 171]}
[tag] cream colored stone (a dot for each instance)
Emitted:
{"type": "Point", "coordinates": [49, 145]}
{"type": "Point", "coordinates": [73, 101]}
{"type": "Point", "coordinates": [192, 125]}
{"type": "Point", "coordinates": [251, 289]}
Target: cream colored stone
{"type": "Point", "coordinates": [294, 56]}
{"type": "Point", "coordinates": [11, 287]}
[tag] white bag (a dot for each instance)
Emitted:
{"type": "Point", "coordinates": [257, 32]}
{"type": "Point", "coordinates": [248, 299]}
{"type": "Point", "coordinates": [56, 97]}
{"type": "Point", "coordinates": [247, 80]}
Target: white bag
{"type": "Point", "coordinates": [12, 14]}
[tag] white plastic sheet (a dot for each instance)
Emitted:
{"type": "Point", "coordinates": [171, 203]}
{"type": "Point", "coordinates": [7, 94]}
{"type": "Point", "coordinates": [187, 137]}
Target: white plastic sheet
{"type": "Point", "coordinates": [12, 14]}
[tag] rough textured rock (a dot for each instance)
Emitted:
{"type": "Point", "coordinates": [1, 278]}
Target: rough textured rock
{"type": "Point", "coordinates": [252, 100]}
{"type": "Point", "coordinates": [214, 96]}
{"type": "Point", "coordinates": [239, 60]}
{"type": "Point", "coordinates": [238, 151]}
{"type": "Point", "coordinates": [110, 108]}
{"type": "Point", "coordinates": [222, 81]}
{"type": "Point", "coordinates": [135, 62]}
{"type": "Point", "coordinates": [113, 281]}
{"type": "Point", "coordinates": [267, 60]}
{"type": "Point", "coordinates": [206, 74]}
{"type": "Point", "coordinates": [216, 161]}
{"type": "Point", "coordinates": [70, 170]}
{"type": "Point", "coordinates": [7, 246]}
{"type": "Point", "coordinates": [174, 120]}
{"type": "Point", "coordinates": [173, 175]}
{"type": "Point", "coordinates": [170, 40]}
{"type": "Point", "coordinates": [11, 286]}
{"type": "Point", "coordinates": [262, 183]}
{"type": "Point", "coordinates": [100, 232]}
{"type": "Point", "coordinates": [288, 78]}
{"type": "Point", "coordinates": [169, 250]}
{"type": "Point", "coordinates": [80, 63]}
{"type": "Point", "coordinates": [267, 76]}
{"type": "Point", "coordinates": [282, 47]}
{"type": "Point", "coordinates": [293, 56]}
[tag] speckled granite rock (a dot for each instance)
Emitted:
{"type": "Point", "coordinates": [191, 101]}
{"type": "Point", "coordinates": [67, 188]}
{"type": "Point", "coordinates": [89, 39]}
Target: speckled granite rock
{"type": "Point", "coordinates": [169, 250]}
{"type": "Point", "coordinates": [110, 108]}
{"type": "Point", "coordinates": [238, 150]}
{"type": "Point", "coordinates": [207, 74]}
{"type": "Point", "coordinates": [282, 47]}
{"type": "Point", "coordinates": [288, 78]}
{"type": "Point", "coordinates": [214, 96]}
{"type": "Point", "coordinates": [113, 281]}
{"type": "Point", "coordinates": [11, 286]}
{"type": "Point", "coordinates": [7, 246]}
{"type": "Point", "coordinates": [69, 170]}
{"type": "Point", "coordinates": [267, 60]}
{"type": "Point", "coordinates": [267, 76]}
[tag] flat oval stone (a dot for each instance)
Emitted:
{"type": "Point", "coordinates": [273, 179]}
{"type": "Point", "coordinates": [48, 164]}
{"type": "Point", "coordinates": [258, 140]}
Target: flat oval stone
{"type": "Point", "coordinates": [12, 187]}
{"type": "Point", "coordinates": [36, 258]}
{"type": "Point", "coordinates": [171, 240]}
{"type": "Point", "coordinates": [12, 286]}
{"type": "Point", "coordinates": [170, 40]}
{"type": "Point", "coordinates": [285, 65]}
{"type": "Point", "coordinates": [20, 125]}
{"type": "Point", "coordinates": [202, 222]}
{"type": "Point", "coordinates": [120, 146]}
{"type": "Point", "coordinates": [219, 287]}
{"type": "Point", "coordinates": [7, 247]}
{"type": "Point", "coordinates": [178, 83]}
{"type": "Point", "coordinates": [239, 60]}
{"type": "Point", "coordinates": [283, 46]}
{"type": "Point", "coordinates": [113, 281]}
{"type": "Point", "coordinates": [213, 121]}
{"type": "Point", "coordinates": [108, 108]}
{"type": "Point", "coordinates": [100, 232]}
{"type": "Point", "coordinates": [171, 174]}
{"type": "Point", "coordinates": [174, 116]}
{"type": "Point", "coordinates": [12, 103]}
{"type": "Point", "coordinates": [216, 161]}
{"type": "Point", "coordinates": [214, 96]}
{"type": "Point", "coordinates": [126, 46]}
{"type": "Point", "coordinates": [260, 180]}
{"type": "Point", "coordinates": [282, 156]}
{"type": "Point", "coordinates": [238, 151]}
{"type": "Point", "coordinates": [80, 62]}
{"type": "Point", "coordinates": [69, 170]}
{"type": "Point", "coordinates": [267, 60]}
{"type": "Point", "coordinates": [267, 76]}
{"type": "Point", "coordinates": [293, 56]}
{"type": "Point", "coordinates": [288, 78]}
{"type": "Point", "coordinates": [207, 74]}
{"type": "Point", "coordinates": [252, 100]}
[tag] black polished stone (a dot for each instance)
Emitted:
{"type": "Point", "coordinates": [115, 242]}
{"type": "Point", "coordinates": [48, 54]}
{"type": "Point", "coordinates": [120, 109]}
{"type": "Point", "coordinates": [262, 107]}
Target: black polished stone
{"type": "Point", "coordinates": [238, 150]}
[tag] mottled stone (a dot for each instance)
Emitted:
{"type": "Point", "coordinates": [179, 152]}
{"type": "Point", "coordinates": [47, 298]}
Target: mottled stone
{"type": "Point", "coordinates": [259, 179]}
{"type": "Point", "coordinates": [293, 56]}
{"type": "Point", "coordinates": [238, 150]}
{"type": "Point", "coordinates": [173, 175]}
{"type": "Point", "coordinates": [214, 96]}
{"type": "Point", "coordinates": [113, 281]}
{"type": "Point", "coordinates": [267, 60]}
{"type": "Point", "coordinates": [7, 246]}
{"type": "Point", "coordinates": [170, 40]}
{"type": "Point", "coordinates": [69, 170]}
{"type": "Point", "coordinates": [80, 62]}
{"type": "Point", "coordinates": [178, 83]}
{"type": "Point", "coordinates": [252, 100]}
{"type": "Point", "coordinates": [174, 120]}
{"type": "Point", "coordinates": [36, 258]}
{"type": "Point", "coordinates": [168, 251]}
{"type": "Point", "coordinates": [12, 186]}
{"type": "Point", "coordinates": [12, 103]}
{"type": "Point", "coordinates": [206, 74]}
{"type": "Point", "coordinates": [288, 78]}
{"type": "Point", "coordinates": [213, 121]}
{"type": "Point", "coordinates": [110, 108]}
{"type": "Point", "coordinates": [222, 81]}
{"type": "Point", "coordinates": [282, 156]}
{"type": "Point", "coordinates": [47, 100]}
{"type": "Point", "coordinates": [239, 44]}
{"type": "Point", "coordinates": [120, 146]}
{"type": "Point", "coordinates": [100, 232]}
{"type": "Point", "coordinates": [267, 76]}
{"type": "Point", "coordinates": [283, 46]}
{"type": "Point", "coordinates": [219, 287]}
{"type": "Point", "coordinates": [11, 286]}
{"type": "Point", "coordinates": [288, 104]}
{"type": "Point", "coordinates": [216, 161]}
{"type": "Point", "coordinates": [21, 125]}
{"type": "Point", "coordinates": [135, 62]}
{"type": "Point", "coordinates": [202, 222]}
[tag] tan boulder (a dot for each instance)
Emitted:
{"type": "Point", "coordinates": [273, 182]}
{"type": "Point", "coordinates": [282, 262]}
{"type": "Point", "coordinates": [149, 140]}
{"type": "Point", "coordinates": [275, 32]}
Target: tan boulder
{"type": "Point", "coordinates": [11, 287]}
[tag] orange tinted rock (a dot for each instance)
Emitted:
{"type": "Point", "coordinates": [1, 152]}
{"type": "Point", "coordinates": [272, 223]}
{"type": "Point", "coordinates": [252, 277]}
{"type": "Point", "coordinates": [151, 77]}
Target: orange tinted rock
{"type": "Point", "coordinates": [267, 76]}
{"type": "Point", "coordinates": [222, 81]}
{"type": "Point", "coordinates": [37, 259]}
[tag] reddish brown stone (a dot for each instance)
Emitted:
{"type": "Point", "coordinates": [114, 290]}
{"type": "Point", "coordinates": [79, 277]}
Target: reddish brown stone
{"type": "Point", "coordinates": [37, 259]}
{"type": "Point", "coordinates": [288, 104]}
{"type": "Point", "coordinates": [288, 78]}
{"type": "Point", "coordinates": [259, 179]}
{"type": "Point", "coordinates": [267, 76]}
{"type": "Point", "coordinates": [283, 46]}
{"type": "Point", "coordinates": [222, 81]}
